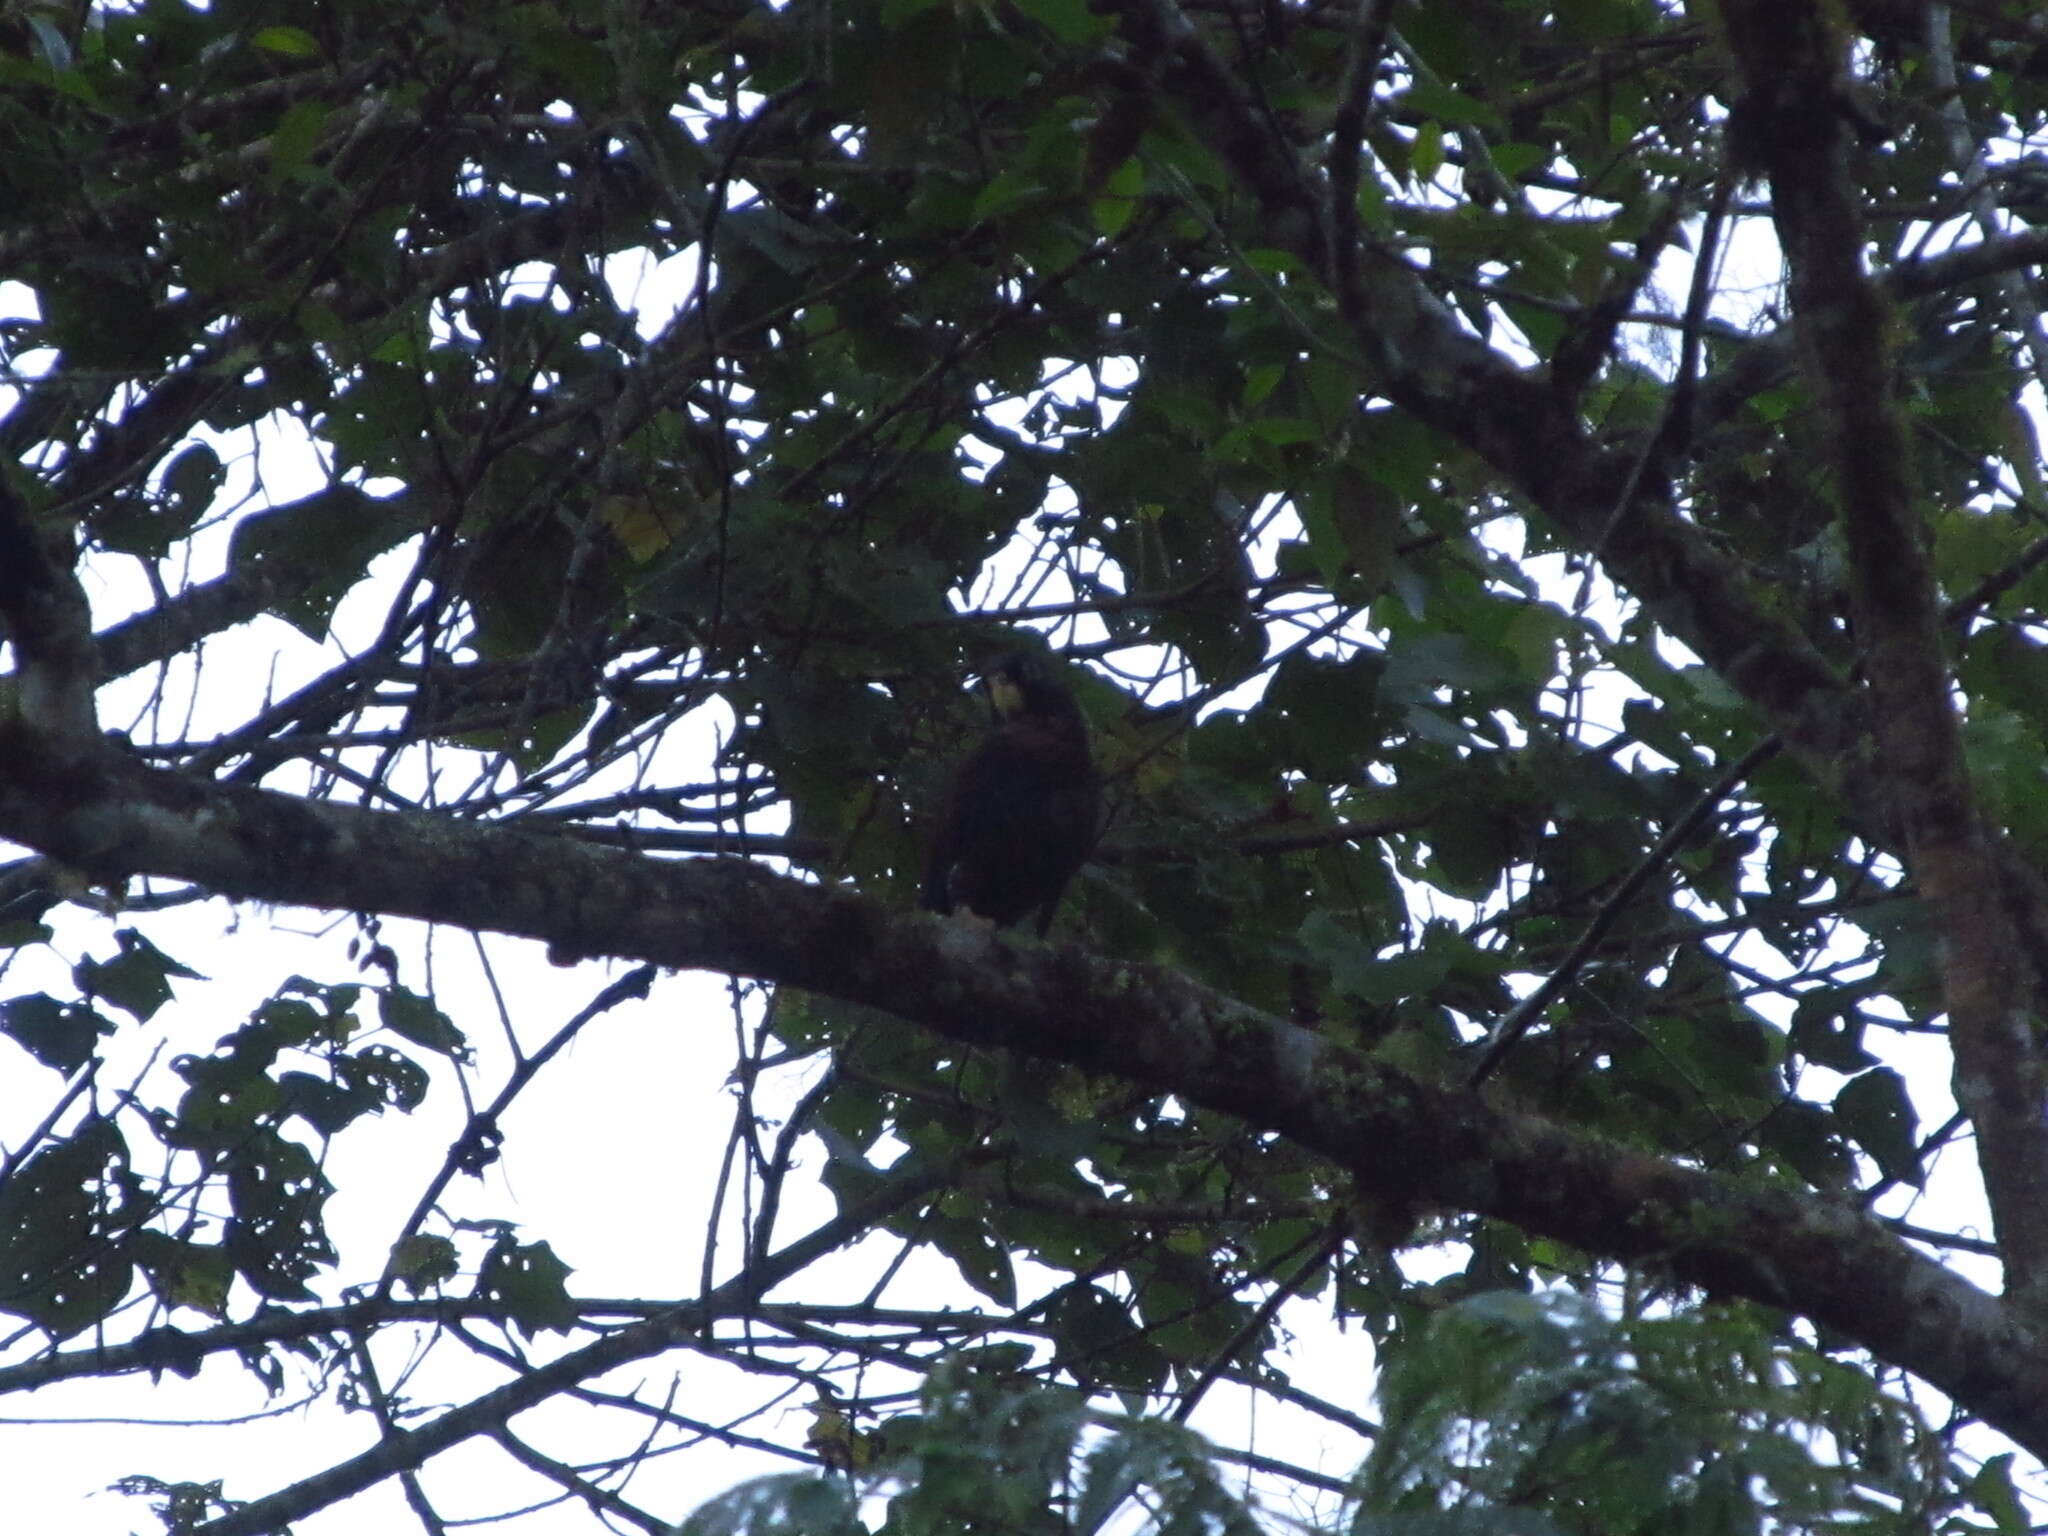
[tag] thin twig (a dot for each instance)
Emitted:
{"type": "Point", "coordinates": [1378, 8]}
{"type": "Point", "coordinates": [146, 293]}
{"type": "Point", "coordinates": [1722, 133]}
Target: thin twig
{"type": "Point", "coordinates": [1525, 1013]}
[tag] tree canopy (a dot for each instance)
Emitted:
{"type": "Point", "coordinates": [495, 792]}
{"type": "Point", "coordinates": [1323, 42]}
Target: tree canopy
{"type": "Point", "coordinates": [1540, 505]}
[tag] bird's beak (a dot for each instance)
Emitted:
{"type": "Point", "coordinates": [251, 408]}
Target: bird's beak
{"type": "Point", "coordinates": [1004, 695]}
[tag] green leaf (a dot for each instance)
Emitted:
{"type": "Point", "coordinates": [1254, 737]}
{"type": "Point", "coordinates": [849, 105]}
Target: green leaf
{"type": "Point", "coordinates": [59, 1268]}
{"type": "Point", "coordinates": [1827, 1029]}
{"type": "Point", "coordinates": [1426, 153]}
{"type": "Point", "coordinates": [384, 1075]}
{"type": "Point", "coordinates": [779, 1504]}
{"type": "Point", "coordinates": [1449, 105]}
{"type": "Point", "coordinates": [1510, 160]}
{"type": "Point", "coordinates": [1119, 201]}
{"type": "Point", "coordinates": [296, 136]}
{"type": "Point", "coordinates": [190, 480]}
{"type": "Point", "coordinates": [292, 42]}
{"type": "Point", "coordinates": [1992, 1490]}
{"type": "Point", "coordinates": [1005, 194]}
{"type": "Point", "coordinates": [62, 1036]}
{"type": "Point", "coordinates": [423, 1262]}
{"type": "Point", "coordinates": [405, 1012]}
{"type": "Point", "coordinates": [183, 1273]}
{"type": "Point", "coordinates": [328, 1107]}
{"type": "Point", "coordinates": [983, 1262]}
{"type": "Point", "coordinates": [20, 933]}
{"type": "Point", "coordinates": [1071, 21]}
{"type": "Point", "coordinates": [531, 1284]}
{"type": "Point", "coordinates": [278, 1196]}
{"type": "Point", "coordinates": [137, 980]}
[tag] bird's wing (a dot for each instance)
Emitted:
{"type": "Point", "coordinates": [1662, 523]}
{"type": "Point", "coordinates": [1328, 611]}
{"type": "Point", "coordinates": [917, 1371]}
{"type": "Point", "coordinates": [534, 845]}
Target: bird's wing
{"type": "Point", "coordinates": [969, 785]}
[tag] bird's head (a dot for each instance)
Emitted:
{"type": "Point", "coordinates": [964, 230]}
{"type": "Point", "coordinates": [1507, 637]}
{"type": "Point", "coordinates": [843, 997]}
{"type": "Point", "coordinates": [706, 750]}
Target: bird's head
{"type": "Point", "coordinates": [1027, 683]}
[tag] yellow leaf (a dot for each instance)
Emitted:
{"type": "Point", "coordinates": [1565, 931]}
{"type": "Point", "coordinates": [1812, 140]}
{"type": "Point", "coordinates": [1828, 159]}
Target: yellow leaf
{"type": "Point", "coordinates": [640, 529]}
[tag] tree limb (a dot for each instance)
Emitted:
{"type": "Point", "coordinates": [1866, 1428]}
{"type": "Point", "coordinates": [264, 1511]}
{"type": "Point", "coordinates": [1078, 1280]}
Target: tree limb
{"type": "Point", "coordinates": [1794, 111]}
{"type": "Point", "coordinates": [1146, 1023]}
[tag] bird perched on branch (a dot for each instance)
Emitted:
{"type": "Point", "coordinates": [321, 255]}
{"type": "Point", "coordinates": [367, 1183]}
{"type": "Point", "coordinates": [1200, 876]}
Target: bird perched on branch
{"type": "Point", "coordinates": [1020, 813]}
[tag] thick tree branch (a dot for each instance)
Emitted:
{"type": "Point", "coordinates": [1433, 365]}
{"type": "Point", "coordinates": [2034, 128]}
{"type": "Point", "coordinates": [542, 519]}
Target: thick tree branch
{"type": "Point", "coordinates": [1795, 113]}
{"type": "Point", "coordinates": [43, 611]}
{"type": "Point", "coordinates": [1145, 1023]}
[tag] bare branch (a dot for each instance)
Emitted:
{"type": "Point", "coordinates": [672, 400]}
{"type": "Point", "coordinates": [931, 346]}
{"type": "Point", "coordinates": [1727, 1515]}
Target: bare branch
{"type": "Point", "coordinates": [488, 1414]}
